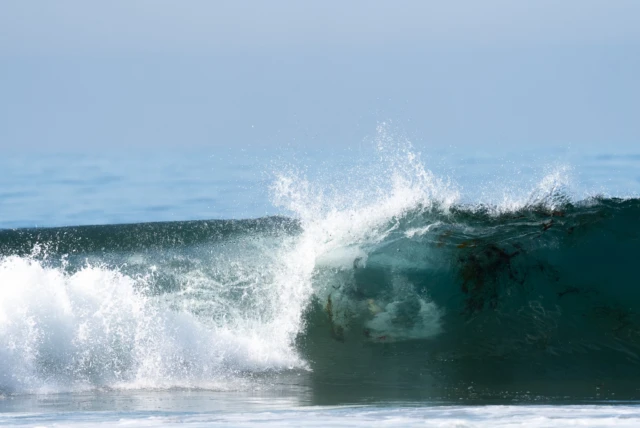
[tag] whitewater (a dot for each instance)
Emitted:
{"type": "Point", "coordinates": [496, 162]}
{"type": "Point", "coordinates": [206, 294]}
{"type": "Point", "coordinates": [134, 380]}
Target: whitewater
{"type": "Point", "coordinates": [381, 293]}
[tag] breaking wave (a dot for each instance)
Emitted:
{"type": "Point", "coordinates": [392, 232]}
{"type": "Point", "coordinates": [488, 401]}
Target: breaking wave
{"type": "Point", "coordinates": [382, 277]}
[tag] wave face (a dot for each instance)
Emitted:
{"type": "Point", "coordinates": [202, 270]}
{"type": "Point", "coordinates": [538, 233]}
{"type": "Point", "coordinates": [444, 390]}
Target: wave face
{"type": "Point", "coordinates": [527, 299]}
{"type": "Point", "coordinates": [392, 283]}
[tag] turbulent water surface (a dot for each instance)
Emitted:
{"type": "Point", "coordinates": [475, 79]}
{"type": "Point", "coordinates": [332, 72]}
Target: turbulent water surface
{"type": "Point", "coordinates": [384, 284]}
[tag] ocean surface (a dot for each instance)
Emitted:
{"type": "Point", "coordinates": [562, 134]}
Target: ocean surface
{"type": "Point", "coordinates": [378, 284]}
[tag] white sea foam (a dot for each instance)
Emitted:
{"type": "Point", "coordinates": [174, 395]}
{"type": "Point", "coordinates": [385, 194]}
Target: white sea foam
{"type": "Point", "coordinates": [594, 416]}
{"type": "Point", "coordinates": [95, 327]}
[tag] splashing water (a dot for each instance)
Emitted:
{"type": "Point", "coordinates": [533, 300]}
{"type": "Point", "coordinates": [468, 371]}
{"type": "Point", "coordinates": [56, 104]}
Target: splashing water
{"type": "Point", "coordinates": [382, 253]}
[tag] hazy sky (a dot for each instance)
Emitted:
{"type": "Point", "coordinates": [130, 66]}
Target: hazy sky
{"type": "Point", "coordinates": [83, 74]}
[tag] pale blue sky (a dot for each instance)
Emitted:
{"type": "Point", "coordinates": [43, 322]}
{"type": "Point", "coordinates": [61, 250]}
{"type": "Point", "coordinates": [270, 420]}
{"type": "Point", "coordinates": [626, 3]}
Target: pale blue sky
{"type": "Point", "coordinates": [94, 75]}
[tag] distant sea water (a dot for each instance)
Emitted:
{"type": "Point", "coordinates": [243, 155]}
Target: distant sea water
{"type": "Point", "coordinates": [382, 283]}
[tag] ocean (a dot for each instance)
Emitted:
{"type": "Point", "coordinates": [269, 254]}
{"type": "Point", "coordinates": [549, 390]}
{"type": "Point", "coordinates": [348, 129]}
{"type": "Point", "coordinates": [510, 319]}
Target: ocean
{"type": "Point", "coordinates": [376, 284]}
